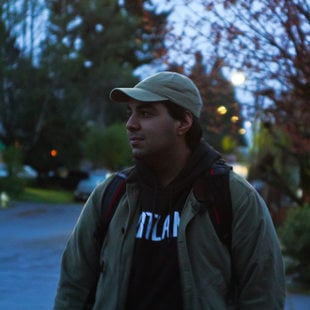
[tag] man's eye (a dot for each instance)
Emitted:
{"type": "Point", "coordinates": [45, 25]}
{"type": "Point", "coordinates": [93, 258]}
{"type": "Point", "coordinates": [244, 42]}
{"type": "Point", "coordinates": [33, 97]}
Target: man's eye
{"type": "Point", "coordinates": [145, 113]}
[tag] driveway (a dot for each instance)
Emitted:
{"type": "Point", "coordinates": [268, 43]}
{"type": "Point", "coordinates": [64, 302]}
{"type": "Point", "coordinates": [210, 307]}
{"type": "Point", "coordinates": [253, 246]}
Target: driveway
{"type": "Point", "coordinates": [32, 238]}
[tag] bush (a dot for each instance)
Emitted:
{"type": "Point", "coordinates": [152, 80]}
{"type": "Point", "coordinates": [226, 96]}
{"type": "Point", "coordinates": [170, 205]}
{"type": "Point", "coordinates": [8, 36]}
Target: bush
{"type": "Point", "coordinates": [108, 147]}
{"type": "Point", "coordinates": [116, 150]}
{"type": "Point", "coordinates": [12, 185]}
{"type": "Point", "coordinates": [295, 238]}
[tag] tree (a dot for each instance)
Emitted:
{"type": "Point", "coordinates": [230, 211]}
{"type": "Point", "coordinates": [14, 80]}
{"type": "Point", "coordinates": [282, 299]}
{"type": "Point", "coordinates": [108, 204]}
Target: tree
{"type": "Point", "coordinates": [48, 99]}
{"type": "Point", "coordinates": [270, 41]}
{"type": "Point", "coordinates": [275, 165]}
{"type": "Point", "coordinates": [91, 47]}
{"type": "Point", "coordinates": [30, 114]}
{"type": "Point", "coordinates": [151, 29]}
{"type": "Point", "coordinates": [108, 41]}
{"type": "Point", "coordinates": [221, 117]}
{"type": "Point", "coordinates": [13, 67]}
{"type": "Point", "coordinates": [221, 113]}
{"type": "Point", "coordinates": [26, 19]}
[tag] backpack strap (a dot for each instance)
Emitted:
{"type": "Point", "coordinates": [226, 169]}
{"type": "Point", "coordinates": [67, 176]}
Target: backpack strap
{"type": "Point", "coordinates": [213, 191]}
{"type": "Point", "coordinates": [111, 197]}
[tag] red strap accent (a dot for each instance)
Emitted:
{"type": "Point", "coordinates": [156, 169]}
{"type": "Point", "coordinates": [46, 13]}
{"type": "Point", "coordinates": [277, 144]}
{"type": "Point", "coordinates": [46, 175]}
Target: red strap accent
{"type": "Point", "coordinates": [212, 171]}
{"type": "Point", "coordinates": [114, 198]}
{"type": "Point", "coordinates": [217, 216]}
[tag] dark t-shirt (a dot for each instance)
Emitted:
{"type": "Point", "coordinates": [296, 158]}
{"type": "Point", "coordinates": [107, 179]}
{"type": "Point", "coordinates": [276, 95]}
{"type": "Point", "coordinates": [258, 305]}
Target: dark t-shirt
{"type": "Point", "coordinates": [155, 278]}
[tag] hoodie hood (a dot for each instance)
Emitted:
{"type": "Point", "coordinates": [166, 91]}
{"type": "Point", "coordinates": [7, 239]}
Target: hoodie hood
{"type": "Point", "coordinates": [162, 199]}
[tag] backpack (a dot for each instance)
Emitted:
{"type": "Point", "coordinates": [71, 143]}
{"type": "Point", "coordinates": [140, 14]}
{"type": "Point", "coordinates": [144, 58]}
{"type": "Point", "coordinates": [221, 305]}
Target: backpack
{"type": "Point", "coordinates": [211, 190]}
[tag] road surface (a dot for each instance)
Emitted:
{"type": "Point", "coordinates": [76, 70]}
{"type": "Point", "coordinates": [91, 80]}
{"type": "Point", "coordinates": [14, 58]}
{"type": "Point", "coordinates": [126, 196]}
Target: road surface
{"type": "Point", "coordinates": [32, 238]}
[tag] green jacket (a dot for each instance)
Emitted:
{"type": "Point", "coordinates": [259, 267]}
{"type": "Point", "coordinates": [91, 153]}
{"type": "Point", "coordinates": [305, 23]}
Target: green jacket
{"type": "Point", "coordinates": [205, 262]}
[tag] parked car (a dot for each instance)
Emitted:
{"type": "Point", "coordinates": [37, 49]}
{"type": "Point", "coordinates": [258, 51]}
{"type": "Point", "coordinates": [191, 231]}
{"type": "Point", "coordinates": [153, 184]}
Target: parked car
{"type": "Point", "coordinates": [3, 171]}
{"type": "Point", "coordinates": [86, 186]}
{"type": "Point", "coordinates": [26, 172]}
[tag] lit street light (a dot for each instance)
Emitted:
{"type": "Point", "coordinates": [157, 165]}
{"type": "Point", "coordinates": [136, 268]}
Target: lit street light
{"type": "Point", "coordinates": [238, 78]}
{"type": "Point", "coordinates": [222, 110]}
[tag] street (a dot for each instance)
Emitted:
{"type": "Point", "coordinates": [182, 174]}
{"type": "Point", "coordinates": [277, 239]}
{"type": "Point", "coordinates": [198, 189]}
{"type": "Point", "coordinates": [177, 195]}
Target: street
{"type": "Point", "coordinates": [32, 238]}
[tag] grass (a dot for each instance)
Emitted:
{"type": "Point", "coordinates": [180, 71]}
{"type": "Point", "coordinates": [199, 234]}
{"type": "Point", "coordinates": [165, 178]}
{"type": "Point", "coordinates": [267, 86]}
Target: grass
{"type": "Point", "coordinates": [298, 288]}
{"type": "Point", "coordinates": [46, 195]}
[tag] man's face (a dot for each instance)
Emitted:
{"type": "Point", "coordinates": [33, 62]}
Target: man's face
{"type": "Point", "coordinates": [152, 132]}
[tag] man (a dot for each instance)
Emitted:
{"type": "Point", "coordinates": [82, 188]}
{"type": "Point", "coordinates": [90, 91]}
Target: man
{"type": "Point", "coordinates": [161, 250]}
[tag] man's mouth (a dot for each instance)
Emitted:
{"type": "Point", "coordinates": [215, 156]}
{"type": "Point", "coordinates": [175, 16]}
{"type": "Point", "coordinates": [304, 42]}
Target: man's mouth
{"type": "Point", "coordinates": [135, 140]}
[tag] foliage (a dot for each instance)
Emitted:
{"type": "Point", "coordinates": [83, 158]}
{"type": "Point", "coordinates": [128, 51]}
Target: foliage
{"type": "Point", "coordinates": [28, 30]}
{"type": "Point", "coordinates": [221, 130]}
{"type": "Point", "coordinates": [269, 40]}
{"type": "Point", "coordinates": [48, 96]}
{"type": "Point", "coordinates": [12, 185]}
{"type": "Point", "coordinates": [13, 159]}
{"type": "Point", "coordinates": [295, 237]}
{"type": "Point", "coordinates": [151, 29]}
{"type": "Point", "coordinates": [116, 149]}
{"type": "Point", "coordinates": [108, 147]}
{"type": "Point", "coordinates": [271, 164]}
{"type": "Point", "coordinates": [106, 41]}
{"type": "Point", "coordinates": [9, 60]}
{"type": "Point", "coordinates": [32, 115]}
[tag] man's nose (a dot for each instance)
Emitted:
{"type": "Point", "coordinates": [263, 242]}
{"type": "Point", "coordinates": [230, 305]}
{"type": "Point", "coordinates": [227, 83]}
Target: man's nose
{"type": "Point", "coordinates": [132, 123]}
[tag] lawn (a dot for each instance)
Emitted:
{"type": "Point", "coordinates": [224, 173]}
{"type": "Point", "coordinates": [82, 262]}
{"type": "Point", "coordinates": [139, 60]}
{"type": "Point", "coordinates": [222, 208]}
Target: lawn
{"type": "Point", "coordinates": [46, 195]}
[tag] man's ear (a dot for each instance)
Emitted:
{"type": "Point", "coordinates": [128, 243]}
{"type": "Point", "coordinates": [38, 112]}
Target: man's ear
{"type": "Point", "coordinates": [185, 124]}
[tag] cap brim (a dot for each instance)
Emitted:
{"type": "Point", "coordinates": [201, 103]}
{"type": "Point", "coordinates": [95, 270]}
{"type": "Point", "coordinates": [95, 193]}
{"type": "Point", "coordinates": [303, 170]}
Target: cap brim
{"type": "Point", "coordinates": [126, 94]}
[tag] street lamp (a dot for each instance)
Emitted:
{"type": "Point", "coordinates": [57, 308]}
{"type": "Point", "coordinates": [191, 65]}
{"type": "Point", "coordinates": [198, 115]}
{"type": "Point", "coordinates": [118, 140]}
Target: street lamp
{"type": "Point", "coordinates": [238, 78]}
{"type": "Point", "coordinates": [222, 110]}
{"type": "Point", "coordinates": [234, 118]}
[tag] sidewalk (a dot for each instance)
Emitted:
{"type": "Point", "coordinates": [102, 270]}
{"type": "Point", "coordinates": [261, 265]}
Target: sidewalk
{"type": "Point", "coordinates": [32, 238]}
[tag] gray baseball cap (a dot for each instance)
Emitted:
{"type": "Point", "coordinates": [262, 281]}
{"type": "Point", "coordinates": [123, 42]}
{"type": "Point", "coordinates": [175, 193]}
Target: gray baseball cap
{"type": "Point", "coordinates": [162, 86]}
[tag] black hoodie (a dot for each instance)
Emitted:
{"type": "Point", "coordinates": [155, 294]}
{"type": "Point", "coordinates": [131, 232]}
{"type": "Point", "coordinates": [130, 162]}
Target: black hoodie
{"type": "Point", "coordinates": [155, 281]}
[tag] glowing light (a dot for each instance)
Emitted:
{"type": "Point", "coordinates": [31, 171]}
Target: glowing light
{"type": "Point", "coordinates": [242, 131]}
{"type": "Point", "coordinates": [53, 153]}
{"type": "Point", "coordinates": [222, 110]}
{"type": "Point", "coordinates": [247, 124]}
{"type": "Point", "coordinates": [234, 118]}
{"type": "Point", "coordinates": [238, 78]}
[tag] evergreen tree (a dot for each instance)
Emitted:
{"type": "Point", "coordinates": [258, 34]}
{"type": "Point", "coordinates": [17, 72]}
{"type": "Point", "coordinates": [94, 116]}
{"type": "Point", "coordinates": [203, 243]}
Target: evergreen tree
{"type": "Point", "coordinates": [33, 116]}
{"type": "Point", "coordinates": [18, 78]}
{"type": "Point", "coordinates": [107, 42]}
{"type": "Point", "coordinates": [91, 47]}
{"type": "Point", "coordinates": [9, 55]}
